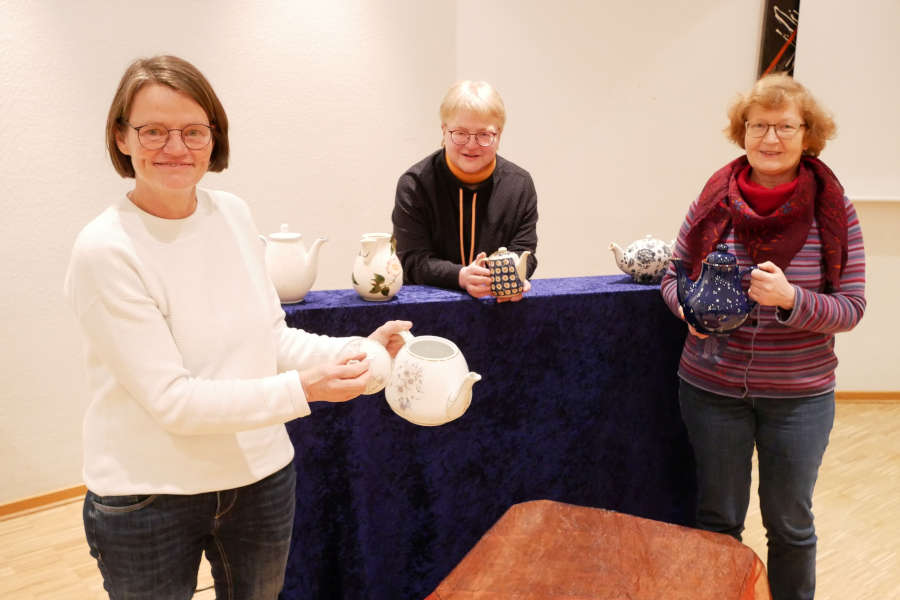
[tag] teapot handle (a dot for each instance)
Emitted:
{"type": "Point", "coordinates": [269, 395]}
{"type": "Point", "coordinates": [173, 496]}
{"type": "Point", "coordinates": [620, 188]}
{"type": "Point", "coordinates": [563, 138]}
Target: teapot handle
{"type": "Point", "coordinates": [751, 304]}
{"type": "Point", "coordinates": [264, 240]}
{"type": "Point", "coordinates": [407, 336]}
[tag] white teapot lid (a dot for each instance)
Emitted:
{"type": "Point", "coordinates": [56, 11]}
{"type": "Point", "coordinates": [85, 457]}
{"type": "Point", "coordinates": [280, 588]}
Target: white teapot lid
{"type": "Point", "coordinates": [285, 235]}
{"type": "Point", "coordinates": [501, 252]}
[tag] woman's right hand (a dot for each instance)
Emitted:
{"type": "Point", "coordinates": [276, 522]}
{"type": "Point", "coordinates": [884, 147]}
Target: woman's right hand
{"type": "Point", "coordinates": [476, 279]}
{"type": "Point", "coordinates": [693, 331]}
{"type": "Point", "coordinates": [336, 382]}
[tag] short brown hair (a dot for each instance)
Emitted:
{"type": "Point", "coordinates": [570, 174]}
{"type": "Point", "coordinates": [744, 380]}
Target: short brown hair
{"type": "Point", "coordinates": [777, 91]}
{"type": "Point", "coordinates": [180, 75]}
{"type": "Point", "coordinates": [479, 97]}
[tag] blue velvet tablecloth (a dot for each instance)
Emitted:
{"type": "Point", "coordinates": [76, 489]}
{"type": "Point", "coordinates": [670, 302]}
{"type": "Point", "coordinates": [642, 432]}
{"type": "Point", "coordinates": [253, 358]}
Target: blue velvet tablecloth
{"type": "Point", "coordinates": [578, 404]}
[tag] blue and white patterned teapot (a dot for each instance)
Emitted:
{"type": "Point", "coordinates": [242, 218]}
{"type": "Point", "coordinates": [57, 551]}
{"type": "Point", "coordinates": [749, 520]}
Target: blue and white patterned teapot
{"type": "Point", "coordinates": [716, 303]}
{"type": "Point", "coordinates": [645, 260]}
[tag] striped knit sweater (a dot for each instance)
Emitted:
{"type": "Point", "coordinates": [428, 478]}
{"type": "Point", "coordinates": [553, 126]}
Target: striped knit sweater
{"type": "Point", "coordinates": [778, 353]}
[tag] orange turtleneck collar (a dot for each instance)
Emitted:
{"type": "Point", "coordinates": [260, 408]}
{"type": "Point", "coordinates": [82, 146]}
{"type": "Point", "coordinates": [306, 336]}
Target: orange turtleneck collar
{"type": "Point", "coordinates": [471, 178]}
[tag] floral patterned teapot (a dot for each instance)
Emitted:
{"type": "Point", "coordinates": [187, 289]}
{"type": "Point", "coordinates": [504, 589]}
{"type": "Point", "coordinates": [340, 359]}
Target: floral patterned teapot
{"type": "Point", "coordinates": [645, 260]}
{"type": "Point", "coordinates": [716, 303]}
{"type": "Point", "coordinates": [430, 381]}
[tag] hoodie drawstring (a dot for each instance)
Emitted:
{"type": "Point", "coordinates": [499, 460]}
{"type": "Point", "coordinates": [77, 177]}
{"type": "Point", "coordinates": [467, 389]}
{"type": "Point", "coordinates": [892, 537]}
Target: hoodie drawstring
{"type": "Point", "coordinates": [462, 255]}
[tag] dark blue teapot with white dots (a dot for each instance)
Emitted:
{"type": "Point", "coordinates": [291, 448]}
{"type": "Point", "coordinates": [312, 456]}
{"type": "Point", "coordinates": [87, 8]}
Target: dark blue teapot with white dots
{"type": "Point", "coordinates": [508, 272]}
{"type": "Point", "coordinates": [716, 303]}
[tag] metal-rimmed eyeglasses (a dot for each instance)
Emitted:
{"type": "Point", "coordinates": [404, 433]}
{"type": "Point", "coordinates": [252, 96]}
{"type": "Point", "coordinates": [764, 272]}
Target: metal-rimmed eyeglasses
{"type": "Point", "coordinates": [153, 136]}
{"type": "Point", "coordinates": [461, 137]}
{"type": "Point", "coordinates": [784, 131]}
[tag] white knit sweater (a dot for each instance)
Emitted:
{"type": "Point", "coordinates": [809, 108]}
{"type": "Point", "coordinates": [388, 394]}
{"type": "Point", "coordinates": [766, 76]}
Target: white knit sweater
{"type": "Point", "coordinates": [191, 368]}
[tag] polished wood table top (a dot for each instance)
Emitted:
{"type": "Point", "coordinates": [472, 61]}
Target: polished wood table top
{"type": "Point", "coordinates": [544, 550]}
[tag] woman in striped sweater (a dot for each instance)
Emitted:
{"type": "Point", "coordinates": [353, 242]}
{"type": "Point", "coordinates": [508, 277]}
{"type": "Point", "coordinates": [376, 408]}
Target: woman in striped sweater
{"type": "Point", "coordinates": [771, 384]}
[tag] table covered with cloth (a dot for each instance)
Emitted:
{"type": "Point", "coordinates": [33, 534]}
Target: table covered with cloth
{"type": "Point", "coordinates": [544, 550]}
{"type": "Point", "coordinates": [578, 404]}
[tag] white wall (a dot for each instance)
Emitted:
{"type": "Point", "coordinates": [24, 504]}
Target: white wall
{"type": "Point", "coordinates": [329, 102]}
{"type": "Point", "coordinates": [847, 54]}
{"type": "Point", "coordinates": [614, 108]}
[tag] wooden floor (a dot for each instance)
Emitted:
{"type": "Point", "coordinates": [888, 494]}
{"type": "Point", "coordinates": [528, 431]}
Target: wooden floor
{"type": "Point", "coordinates": [43, 555]}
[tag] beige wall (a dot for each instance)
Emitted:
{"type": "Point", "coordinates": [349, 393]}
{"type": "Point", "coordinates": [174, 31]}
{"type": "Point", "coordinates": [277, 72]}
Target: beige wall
{"type": "Point", "coordinates": [847, 55]}
{"type": "Point", "coordinates": [615, 109]}
{"type": "Point", "coordinates": [329, 102]}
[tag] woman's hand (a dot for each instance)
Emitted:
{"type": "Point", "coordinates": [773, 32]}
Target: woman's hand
{"type": "Point", "coordinates": [693, 331]}
{"type": "Point", "coordinates": [336, 382]}
{"type": "Point", "coordinates": [388, 335]}
{"type": "Point", "coordinates": [770, 287]}
{"type": "Point", "coordinates": [518, 296]}
{"type": "Point", "coordinates": [476, 279]}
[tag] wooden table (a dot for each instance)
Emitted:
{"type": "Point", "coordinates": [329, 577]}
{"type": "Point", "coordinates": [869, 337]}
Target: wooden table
{"type": "Point", "coordinates": [547, 550]}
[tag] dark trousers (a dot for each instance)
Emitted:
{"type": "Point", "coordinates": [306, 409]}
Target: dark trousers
{"type": "Point", "coordinates": [790, 435]}
{"type": "Point", "coordinates": [149, 547]}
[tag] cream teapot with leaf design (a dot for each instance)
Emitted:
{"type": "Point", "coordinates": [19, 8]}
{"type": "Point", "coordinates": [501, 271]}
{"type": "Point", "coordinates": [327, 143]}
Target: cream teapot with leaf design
{"type": "Point", "coordinates": [377, 274]}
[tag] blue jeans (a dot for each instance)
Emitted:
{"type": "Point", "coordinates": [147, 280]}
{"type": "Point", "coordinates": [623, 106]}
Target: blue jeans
{"type": "Point", "coordinates": [790, 435]}
{"type": "Point", "coordinates": [149, 547]}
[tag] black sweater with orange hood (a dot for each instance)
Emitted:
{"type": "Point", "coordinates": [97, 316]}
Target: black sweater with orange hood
{"type": "Point", "coordinates": [434, 226]}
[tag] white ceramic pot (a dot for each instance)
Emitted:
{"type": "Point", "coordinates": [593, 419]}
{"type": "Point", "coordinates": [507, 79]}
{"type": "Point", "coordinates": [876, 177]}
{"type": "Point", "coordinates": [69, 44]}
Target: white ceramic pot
{"type": "Point", "coordinates": [430, 383]}
{"type": "Point", "coordinates": [379, 361]}
{"type": "Point", "coordinates": [377, 274]}
{"type": "Point", "coordinates": [290, 266]}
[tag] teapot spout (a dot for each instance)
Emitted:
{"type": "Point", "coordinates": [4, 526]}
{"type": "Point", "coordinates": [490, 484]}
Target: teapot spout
{"type": "Point", "coordinates": [685, 285]}
{"type": "Point", "coordinates": [618, 253]}
{"type": "Point", "coordinates": [459, 402]}
{"type": "Point", "coordinates": [312, 257]}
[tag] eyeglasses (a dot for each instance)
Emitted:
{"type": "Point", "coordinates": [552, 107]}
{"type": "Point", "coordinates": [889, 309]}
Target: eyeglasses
{"type": "Point", "coordinates": [785, 131]}
{"type": "Point", "coordinates": [461, 137]}
{"type": "Point", "coordinates": [154, 136]}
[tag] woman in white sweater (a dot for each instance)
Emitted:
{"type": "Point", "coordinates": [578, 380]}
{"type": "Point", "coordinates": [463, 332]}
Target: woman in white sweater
{"type": "Point", "coordinates": [191, 368]}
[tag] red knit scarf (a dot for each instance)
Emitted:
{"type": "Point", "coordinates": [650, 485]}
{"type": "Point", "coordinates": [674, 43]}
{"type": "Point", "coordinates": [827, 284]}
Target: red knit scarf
{"type": "Point", "coordinates": [779, 235]}
{"type": "Point", "coordinates": [761, 199]}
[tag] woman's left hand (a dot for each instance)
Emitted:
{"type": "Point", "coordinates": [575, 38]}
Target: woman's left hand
{"type": "Point", "coordinates": [388, 335]}
{"type": "Point", "coordinates": [770, 287]}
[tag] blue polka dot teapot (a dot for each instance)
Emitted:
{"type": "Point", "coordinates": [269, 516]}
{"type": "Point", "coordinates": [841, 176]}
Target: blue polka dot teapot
{"type": "Point", "coordinates": [716, 303]}
{"type": "Point", "coordinates": [509, 272]}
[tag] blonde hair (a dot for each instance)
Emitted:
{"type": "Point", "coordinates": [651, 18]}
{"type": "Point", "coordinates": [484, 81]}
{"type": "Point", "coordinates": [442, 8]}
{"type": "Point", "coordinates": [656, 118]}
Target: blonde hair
{"type": "Point", "coordinates": [775, 91]}
{"type": "Point", "coordinates": [180, 75]}
{"type": "Point", "coordinates": [480, 97]}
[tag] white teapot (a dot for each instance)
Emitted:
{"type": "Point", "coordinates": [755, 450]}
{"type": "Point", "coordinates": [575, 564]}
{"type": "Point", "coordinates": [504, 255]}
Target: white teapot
{"type": "Point", "coordinates": [645, 260]}
{"type": "Point", "coordinates": [430, 382]}
{"type": "Point", "coordinates": [290, 266]}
